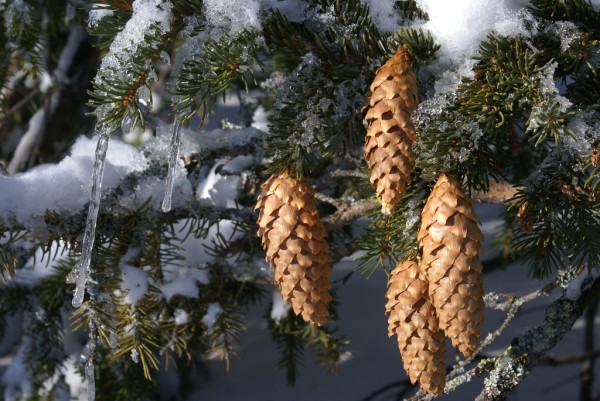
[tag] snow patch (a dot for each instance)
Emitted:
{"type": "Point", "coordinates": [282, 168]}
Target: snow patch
{"type": "Point", "coordinates": [280, 308]}
{"type": "Point", "coordinates": [181, 317]}
{"type": "Point", "coordinates": [459, 26]}
{"type": "Point", "coordinates": [26, 196]}
{"type": "Point", "coordinates": [134, 284]}
{"type": "Point", "coordinates": [97, 13]}
{"type": "Point", "coordinates": [219, 190]}
{"type": "Point", "coordinates": [580, 283]}
{"type": "Point", "coordinates": [384, 15]}
{"type": "Point", "coordinates": [212, 314]}
{"type": "Point", "coordinates": [233, 15]}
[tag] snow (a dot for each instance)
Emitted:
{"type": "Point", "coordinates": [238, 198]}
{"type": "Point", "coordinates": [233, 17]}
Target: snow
{"type": "Point", "coordinates": [234, 15]}
{"type": "Point", "coordinates": [459, 26]}
{"type": "Point", "coordinates": [183, 281]}
{"type": "Point", "coordinates": [579, 283]}
{"type": "Point", "coordinates": [74, 380]}
{"type": "Point", "coordinates": [134, 284]}
{"type": "Point", "coordinates": [147, 15]}
{"type": "Point", "coordinates": [26, 196]}
{"type": "Point", "coordinates": [384, 15]}
{"type": "Point", "coordinates": [97, 13]}
{"type": "Point", "coordinates": [212, 314]}
{"type": "Point", "coordinates": [218, 190]}
{"type": "Point", "coordinates": [181, 317]}
{"type": "Point", "coordinates": [280, 308]}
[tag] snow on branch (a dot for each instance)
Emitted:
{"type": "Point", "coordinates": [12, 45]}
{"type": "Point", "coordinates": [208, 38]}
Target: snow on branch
{"type": "Point", "coordinates": [135, 175]}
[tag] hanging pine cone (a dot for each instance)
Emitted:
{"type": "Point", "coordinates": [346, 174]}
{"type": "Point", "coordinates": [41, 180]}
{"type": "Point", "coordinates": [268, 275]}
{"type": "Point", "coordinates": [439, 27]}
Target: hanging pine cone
{"type": "Point", "coordinates": [294, 238]}
{"type": "Point", "coordinates": [390, 131]}
{"type": "Point", "coordinates": [412, 318]}
{"type": "Point", "coordinates": [451, 242]}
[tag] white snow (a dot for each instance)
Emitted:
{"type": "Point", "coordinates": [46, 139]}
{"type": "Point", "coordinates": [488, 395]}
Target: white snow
{"type": "Point", "coordinates": [181, 317]}
{"type": "Point", "coordinates": [97, 13]}
{"type": "Point", "coordinates": [458, 26]}
{"type": "Point", "coordinates": [384, 15]}
{"type": "Point", "coordinates": [280, 308]}
{"type": "Point", "coordinates": [218, 190]}
{"type": "Point", "coordinates": [183, 281]}
{"type": "Point", "coordinates": [135, 283]}
{"type": "Point", "coordinates": [64, 187]}
{"type": "Point", "coordinates": [579, 283]}
{"type": "Point", "coordinates": [212, 314]}
{"type": "Point", "coordinates": [234, 15]}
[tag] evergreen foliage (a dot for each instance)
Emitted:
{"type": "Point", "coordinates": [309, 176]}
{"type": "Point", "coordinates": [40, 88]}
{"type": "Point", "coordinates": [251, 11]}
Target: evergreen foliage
{"type": "Point", "coordinates": [528, 115]}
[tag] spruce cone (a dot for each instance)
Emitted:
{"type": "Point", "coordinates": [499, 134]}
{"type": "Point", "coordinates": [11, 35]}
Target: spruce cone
{"type": "Point", "coordinates": [451, 242]}
{"type": "Point", "coordinates": [293, 236]}
{"type": "Point", "coordinates": [412, 318]}
{"type": "Point", "coordinates": [390, 132]}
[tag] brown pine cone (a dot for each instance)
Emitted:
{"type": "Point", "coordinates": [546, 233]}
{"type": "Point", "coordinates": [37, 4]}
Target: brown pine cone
{"type": "Point", "coordinates": [294, 238]}
{"type": "Point", "coordinates": [412, 318]}
{"type": "Point", "coordinates": [451, 242]}
{"type": "Point", "coordinates": [390, 131]}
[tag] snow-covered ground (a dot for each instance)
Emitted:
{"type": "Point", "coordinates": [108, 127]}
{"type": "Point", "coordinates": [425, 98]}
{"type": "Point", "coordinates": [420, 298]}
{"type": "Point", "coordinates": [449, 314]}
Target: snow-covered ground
{"type": "Point", "coordinates": [375, 363]}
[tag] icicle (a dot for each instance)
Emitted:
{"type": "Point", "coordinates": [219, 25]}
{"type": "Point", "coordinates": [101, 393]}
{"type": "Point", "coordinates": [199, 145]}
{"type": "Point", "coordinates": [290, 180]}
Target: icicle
{"type": "Point", "coordinates": [90, 224]}
{"type": "Point", "coordinates": [173, 156]}
{"type": "Point", "coordinates": [90, 356]}
{"type": "Point", "coordinates": [90, 381]}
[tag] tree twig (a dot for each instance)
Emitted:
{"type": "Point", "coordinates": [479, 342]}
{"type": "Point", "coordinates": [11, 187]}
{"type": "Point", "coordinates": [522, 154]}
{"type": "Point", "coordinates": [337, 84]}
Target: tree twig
{"type": "Point", "coordinates": [527, 350]}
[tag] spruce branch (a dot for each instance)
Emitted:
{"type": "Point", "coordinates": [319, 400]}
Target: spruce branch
{"type": "Point", "coordinates": [213, 70]}
{"type": "Point", "coordinates": [126, 68]}
{"type": "Point", "coordinates": [558, 223]}
{"type": "Point", "coordinates": [579, 11]}
{"type": "Point", "coordinates": [420, 44]}
{"type": "Point", "coordinates": [104, 30]}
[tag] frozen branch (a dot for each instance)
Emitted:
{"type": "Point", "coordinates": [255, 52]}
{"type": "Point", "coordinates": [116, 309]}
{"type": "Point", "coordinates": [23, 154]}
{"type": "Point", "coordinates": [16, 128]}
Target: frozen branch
{"type": "Point", "coordinates": [528, 350]}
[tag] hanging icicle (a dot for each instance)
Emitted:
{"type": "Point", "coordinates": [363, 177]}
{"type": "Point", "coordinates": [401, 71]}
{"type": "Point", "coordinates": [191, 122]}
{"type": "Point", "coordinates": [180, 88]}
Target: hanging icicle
{"type": "Point", "coordinates": [173, 157]}
{"type": "Point", "coordinates": [90, 356]}
{"type": "Point", "coordinates": [82, 269]}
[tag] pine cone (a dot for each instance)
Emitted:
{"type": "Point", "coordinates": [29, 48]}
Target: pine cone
{"type": "Point", "coordinates": [390, 132]}
{"type": "Point", "coordinates": [451, 242]}
{"type": "Point", "coordinates": [412, 318]}
{"type": "Point", "coordinates": [294, 238]}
